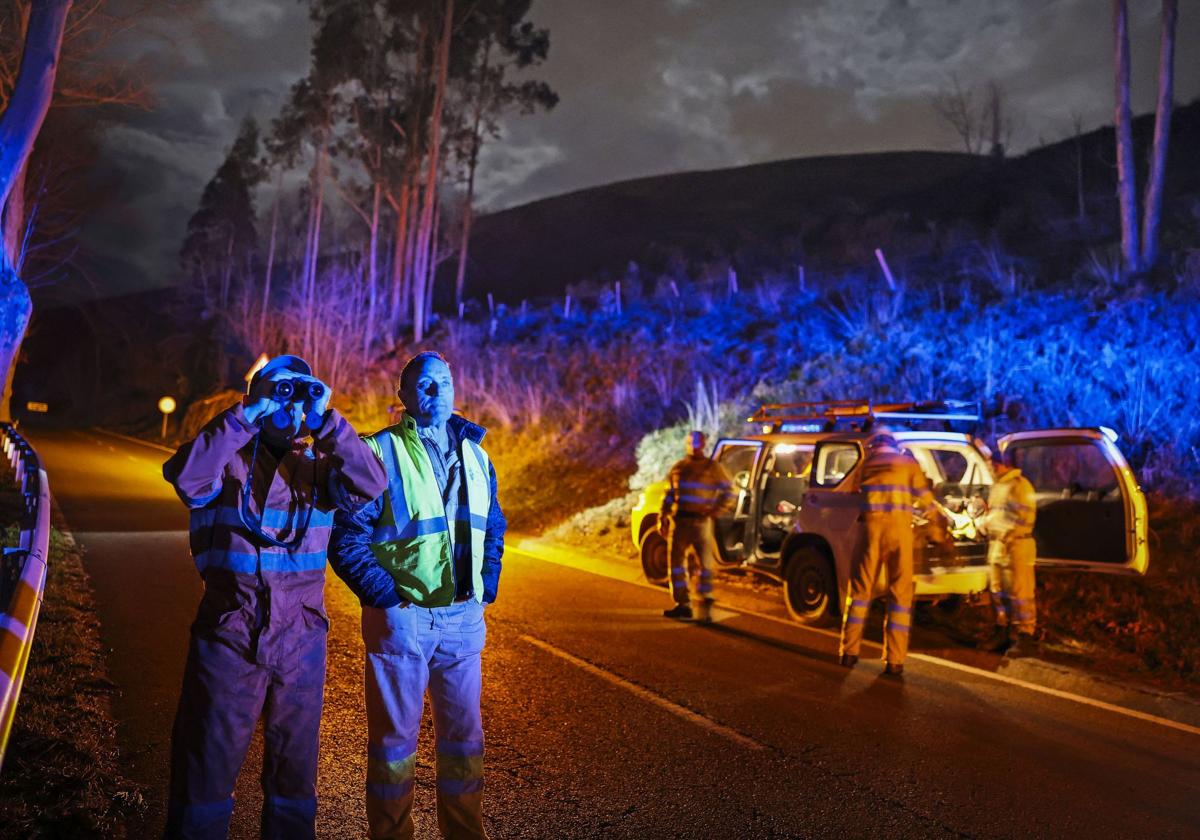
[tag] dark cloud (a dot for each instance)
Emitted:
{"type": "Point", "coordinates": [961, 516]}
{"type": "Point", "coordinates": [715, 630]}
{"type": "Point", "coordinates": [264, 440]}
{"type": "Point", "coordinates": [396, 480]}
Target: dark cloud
{"type": "Point", "coordinates": [653, 86]}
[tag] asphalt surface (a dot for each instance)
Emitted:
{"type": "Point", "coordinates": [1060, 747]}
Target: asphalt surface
{"type": "Point", "coordinates": [605, 720]}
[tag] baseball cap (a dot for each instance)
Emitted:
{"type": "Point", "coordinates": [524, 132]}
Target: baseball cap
{"type": "Point", "coordinates": [284, 362]}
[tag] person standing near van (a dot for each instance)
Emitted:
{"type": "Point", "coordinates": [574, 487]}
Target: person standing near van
{"type": "Point", "coordinates": [1012, 551]}
{"type": "Point", "coordinates": [892, 484]}
{"type": "Point", "coordinates": [700, 490]}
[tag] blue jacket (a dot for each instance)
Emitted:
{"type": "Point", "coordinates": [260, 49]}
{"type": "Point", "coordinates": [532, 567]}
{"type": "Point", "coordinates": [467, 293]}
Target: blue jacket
{"type": "Point", "coordinates": [353, 561]}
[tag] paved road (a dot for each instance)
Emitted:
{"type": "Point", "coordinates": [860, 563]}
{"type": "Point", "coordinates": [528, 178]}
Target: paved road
{"type": "Point", "coordinates": [605, 720]}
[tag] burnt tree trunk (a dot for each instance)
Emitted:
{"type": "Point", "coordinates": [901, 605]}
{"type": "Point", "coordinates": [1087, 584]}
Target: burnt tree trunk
{"type": "Point", "coordinates": [1151, 212]}
{"type": "Point", "coordinates": [1122, 122]}
{"type": "Point", "coordinates": [460, 275]}
{"type": "Point", "coordinates": [429, 202]}
{"type": "Point", "coordinates": [19, 129]}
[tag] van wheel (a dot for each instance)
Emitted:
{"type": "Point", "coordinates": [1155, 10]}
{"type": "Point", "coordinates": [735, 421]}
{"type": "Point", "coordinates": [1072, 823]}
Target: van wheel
{"type": "Point", "coordinates": [808, 587]}
{"type": "Point", "coordinates": [654, 558]}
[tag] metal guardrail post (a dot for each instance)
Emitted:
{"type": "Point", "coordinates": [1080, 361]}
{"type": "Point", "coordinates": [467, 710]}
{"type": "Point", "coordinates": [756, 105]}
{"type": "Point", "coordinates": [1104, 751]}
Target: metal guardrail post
{"type": "Point", "coordinates": [25, 567]}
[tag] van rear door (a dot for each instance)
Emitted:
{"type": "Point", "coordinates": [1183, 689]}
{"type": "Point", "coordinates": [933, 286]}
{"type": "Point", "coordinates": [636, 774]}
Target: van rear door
{"type": "Point", "coordinates": [1091, 514]}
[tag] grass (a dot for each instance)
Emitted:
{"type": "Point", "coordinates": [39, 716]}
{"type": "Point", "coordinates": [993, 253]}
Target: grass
{"type": "Point", "coordinates": [61, 774]}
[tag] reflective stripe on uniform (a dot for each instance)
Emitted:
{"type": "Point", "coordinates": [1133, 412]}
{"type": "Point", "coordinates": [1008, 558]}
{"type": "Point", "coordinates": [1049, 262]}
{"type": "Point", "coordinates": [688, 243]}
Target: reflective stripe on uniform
{"type": "Point", "coordinates": [249, 564]}
{"type": "Point", "coordinates": [459, 767]}
{"type": "Point", "coordinates": [899, 618]}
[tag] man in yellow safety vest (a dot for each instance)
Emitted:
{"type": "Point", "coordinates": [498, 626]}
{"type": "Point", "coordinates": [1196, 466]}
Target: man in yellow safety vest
{"type": "Point", "coordinates": [424, 560]}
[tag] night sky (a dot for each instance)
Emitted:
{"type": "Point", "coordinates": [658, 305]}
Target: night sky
{"type": "Point", "coordinates": [647, 87]}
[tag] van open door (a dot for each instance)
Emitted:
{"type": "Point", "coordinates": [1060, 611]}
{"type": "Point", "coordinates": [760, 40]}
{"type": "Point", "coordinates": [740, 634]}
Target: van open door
{"type": "Point", "coordinates": [740, 459]}
{"type": "Point", "coordinates": [1091, 514]}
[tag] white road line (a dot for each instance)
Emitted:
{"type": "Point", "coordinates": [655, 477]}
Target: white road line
{"type": "Point", "coordinates": [132, 439]}
{"type": "Point", "coordinates": [1055, 692]}
{"type": "Point", "coordinates": [933, 660]}
{"type": "Point", "coordinates": [647, 695]}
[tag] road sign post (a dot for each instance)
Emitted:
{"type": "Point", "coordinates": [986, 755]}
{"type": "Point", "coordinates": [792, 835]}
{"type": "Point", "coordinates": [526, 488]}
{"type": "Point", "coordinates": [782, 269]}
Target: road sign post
{"type": "Point", "coordinates": [166, 405]}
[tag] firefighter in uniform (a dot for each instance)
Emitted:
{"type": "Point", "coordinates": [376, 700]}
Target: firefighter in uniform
{"type": "Point", "coordinates": [1011, 555]}
{"type": "Point", "coordinates": [424, 560]}
{"type": "Point", "coordinates": [699, 490]}
{"type": "Point", "coordinates": [261, 503]}
{"type": "Point", "coordinates": [891, 483]}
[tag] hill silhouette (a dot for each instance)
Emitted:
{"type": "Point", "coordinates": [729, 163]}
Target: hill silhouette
{"type": "Point", "coordinates": [828, 213]}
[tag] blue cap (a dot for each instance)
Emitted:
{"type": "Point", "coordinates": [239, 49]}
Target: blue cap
{"type": "Point", "coordinates": [285, 362]}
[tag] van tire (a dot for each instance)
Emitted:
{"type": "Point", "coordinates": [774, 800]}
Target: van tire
{"type": "Point", "coordinates": [654, 558]}
{"type": "Point", "coordinates": [809, 589]}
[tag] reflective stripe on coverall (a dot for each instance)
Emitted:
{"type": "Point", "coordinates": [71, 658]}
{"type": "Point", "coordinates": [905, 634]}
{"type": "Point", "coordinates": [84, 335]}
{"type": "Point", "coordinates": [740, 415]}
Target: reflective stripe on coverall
{"type": "Point", "coordinates": [891, 483]}
{"type": "Point", "coordinates": [437, 647]}
{"type": "Point", "coordinates": [1012, 551]}
{"type": "Point", "coordinates": [699, 489]}
{"type": "Point", "coordinates": [258, 643]}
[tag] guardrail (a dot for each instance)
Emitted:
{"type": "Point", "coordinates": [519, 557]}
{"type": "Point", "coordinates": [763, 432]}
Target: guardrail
{"type": "Point", "coordinates": [22, 575]}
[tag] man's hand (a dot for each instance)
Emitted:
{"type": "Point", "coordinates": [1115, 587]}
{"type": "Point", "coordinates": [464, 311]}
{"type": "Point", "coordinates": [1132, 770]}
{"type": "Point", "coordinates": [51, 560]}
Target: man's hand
{"type": "Point", "coordinates": [261, 401]}
{"type": "Point", "coordinates": [318, 408]}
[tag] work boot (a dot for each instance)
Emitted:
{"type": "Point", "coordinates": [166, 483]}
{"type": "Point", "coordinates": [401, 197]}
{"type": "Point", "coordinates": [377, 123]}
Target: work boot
{"type": "Point", "coordinates": [998, 641]}
{"type": "Point", "coordinates": [891, 670]}
{"type": "Point", "coordinates": [848, 660]}
{"type": "Point", "coordinates": [679, 611]}
{"type": "Point", "coordinates": [704, 611]}
{"type": "Point", "coordinates": [1024, 644]}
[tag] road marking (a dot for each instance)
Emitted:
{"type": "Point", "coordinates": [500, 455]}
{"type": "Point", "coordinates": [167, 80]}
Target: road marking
{"type": "Point", "coordinates": [553, 557]}
{"type": "Point", "coordinates": [132, 439]}
{"type": "Point", "coordinates": [647, 695]}
{"type": "Point", "coordinates": [1055, 692]}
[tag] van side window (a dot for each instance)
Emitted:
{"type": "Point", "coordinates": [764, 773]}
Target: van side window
{"type": "Point", "coordinates": [834, 461]}
{"type": "Point", "coordinates": [738, 461]}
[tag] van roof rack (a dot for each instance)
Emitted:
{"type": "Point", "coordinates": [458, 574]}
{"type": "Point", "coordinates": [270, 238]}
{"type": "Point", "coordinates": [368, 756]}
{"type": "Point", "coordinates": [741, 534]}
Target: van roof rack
{"type": "Point", "coordinates": [828, 415]}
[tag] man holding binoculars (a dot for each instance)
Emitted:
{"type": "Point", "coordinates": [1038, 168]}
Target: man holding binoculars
{"type": "Point", "coordinates": [262, 502]}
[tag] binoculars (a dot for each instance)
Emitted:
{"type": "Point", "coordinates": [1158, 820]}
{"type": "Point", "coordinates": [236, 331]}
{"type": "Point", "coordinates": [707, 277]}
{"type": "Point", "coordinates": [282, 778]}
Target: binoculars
{"type": "Point", "coordinates": [298, 390]}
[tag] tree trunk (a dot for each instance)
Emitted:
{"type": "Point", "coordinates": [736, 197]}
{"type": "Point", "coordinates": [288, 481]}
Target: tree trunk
{"type": "Point", "coordinates": [312, 248]}
{"type": "Point", "coordinates": [19, 129]}
{"type": "Point", "coordinates": [372, 271]}
{"type": "Point", "coordinates": [1126, 176]}
{"type": "Point", "coordinates": [429, 207]}
{"type": "Point", "coordinates": [266, 294]}
{"type": "Point", "coordinates": [1162, 132]}
{"type": "Point", "coordinates": [460, 276]}
{"type": "Point", "coordinates": [398, 257]}
{"type": "Point", "coordinates": [432, 268]}
{"type": "Point", "coordinates": [410, 248]}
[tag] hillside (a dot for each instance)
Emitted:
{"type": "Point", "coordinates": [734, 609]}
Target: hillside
{"type": "Point", "coordinates": [828, 213]}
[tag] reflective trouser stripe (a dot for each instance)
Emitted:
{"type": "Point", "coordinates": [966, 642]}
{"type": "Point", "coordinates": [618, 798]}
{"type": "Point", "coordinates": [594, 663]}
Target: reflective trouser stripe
{"type": "Point", "coordinates": [460, 768]}
{"type": "Point", "coordinates": [691, 542]}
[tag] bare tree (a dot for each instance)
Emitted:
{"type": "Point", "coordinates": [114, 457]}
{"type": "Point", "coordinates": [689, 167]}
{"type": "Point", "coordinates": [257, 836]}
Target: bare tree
{"type": "Point", "coordinates": [1162, 132]}
{"type": "Point", "coordinates": [957, 107]}
{"type": "Point", "coordinates": [977, 119]}
{"type": "Point", "coordinates": [1126, 177]}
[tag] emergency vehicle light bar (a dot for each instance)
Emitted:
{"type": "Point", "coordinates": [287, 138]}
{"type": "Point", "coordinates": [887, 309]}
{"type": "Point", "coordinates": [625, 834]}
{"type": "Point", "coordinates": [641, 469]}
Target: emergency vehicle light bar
{"type": "Point", "coordinates": [803, 416]}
